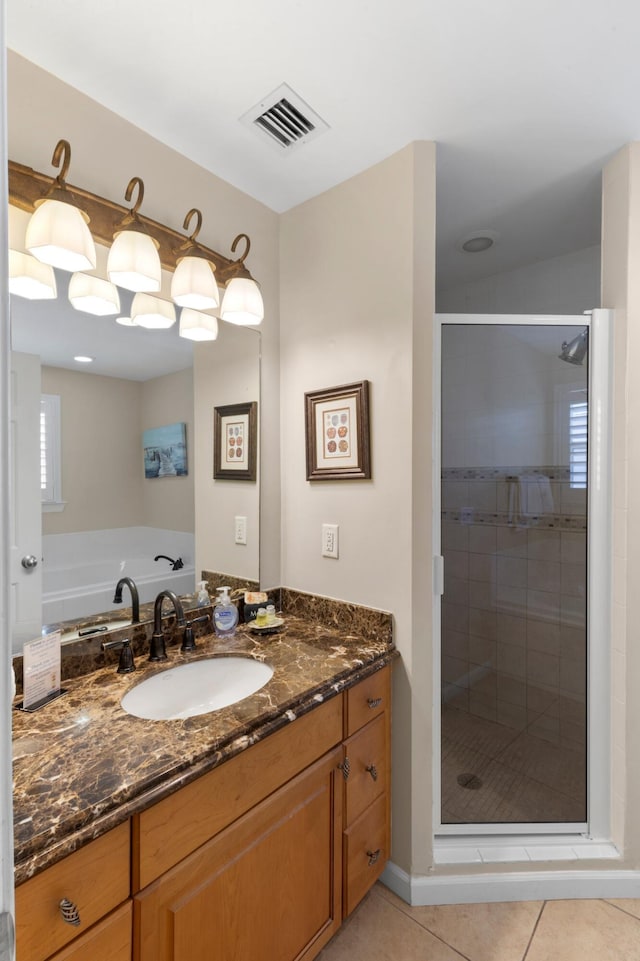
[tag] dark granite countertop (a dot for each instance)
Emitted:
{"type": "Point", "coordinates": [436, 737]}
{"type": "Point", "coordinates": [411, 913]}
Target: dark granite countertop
{"type": "Point", "coordinates": [82, 765]}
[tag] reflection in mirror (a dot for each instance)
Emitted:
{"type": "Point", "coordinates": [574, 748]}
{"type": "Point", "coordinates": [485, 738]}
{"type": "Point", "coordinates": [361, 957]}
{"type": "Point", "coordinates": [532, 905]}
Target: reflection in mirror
{"type": "Point", "coordinates": [106, 520]}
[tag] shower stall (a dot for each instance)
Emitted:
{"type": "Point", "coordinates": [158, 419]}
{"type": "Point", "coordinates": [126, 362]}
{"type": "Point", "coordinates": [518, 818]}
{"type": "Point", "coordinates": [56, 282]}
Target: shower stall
{"type": "Point", "coordinates": [523, 534]}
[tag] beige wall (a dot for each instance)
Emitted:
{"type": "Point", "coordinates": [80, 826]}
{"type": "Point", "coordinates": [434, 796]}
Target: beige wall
{"type": "Point", "coordinates": [100, 446]}
{"type": "Point", "coordinates": [106, 152]}
{"type": "Point", "coordinates": [621, 290]}
{"type": "Point", "coordinates": [167, 503]}
{"type": "Point", "coordinates": [357, 269]}
{"type": "Point", "coordinates": [103, 484]}
{"type": "Point", "coordinates": [218, 502]}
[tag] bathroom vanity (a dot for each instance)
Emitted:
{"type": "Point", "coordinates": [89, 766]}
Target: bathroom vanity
{"type": "Point", "coordinates": [247, 833]}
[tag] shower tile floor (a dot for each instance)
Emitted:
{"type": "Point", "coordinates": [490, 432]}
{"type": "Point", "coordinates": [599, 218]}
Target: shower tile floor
{"type": "Point", "coordinates": [519, 777]}
{"type": "Point", "coordinates": [384, 928]}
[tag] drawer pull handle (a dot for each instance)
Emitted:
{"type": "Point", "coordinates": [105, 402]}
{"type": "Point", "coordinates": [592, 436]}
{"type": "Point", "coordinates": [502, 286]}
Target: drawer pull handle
{"type": "Point", "coordinates": [345, 767]}
{"type": "Point", "coordinates": [69, 912]}
{"type": "Point", "coordinates": [374, 702]}
{"type": "Point", "coordinates": [373, 856]}
{"type": "Point", "coordinates": [373, 771]}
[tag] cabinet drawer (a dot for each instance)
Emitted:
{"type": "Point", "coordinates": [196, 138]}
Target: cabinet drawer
{"type": "Point", "coordinates": [366, 850]}
{"type": "Point", "coordinates": [366, 752]}
{"type": "Point", "coordinates": [367, 699]}
{"type": "Point", "coordinates": [109, 940]}
{"type": "Point", "coordinates": [94, 878]}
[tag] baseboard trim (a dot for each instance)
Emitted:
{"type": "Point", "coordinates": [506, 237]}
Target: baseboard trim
{"type": "Point", "coordinates": [510, 886]}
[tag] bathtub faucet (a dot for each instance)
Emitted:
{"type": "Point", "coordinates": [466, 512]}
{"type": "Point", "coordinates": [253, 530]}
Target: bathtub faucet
{"type": "Point", "coordinates": [158, 651]}
{"type": "Point", "coordinates": [135, 599]}
{"type": "Point", "coordinates": [175, 565]}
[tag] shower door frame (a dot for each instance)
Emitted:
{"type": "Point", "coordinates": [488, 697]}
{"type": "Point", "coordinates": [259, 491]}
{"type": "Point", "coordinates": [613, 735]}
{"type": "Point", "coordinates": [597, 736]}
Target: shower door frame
{"type": "Point", "coordinates": [599, 566]}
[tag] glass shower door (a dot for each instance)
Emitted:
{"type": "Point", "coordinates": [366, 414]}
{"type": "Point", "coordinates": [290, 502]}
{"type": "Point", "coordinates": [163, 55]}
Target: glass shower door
{"type": "Point", "coordinates": [515, 412]}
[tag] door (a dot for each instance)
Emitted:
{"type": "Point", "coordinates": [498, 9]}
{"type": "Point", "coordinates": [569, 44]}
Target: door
{"type": "Point", "coordinates": [514, 533]}
{"type": "Point", "coordinates": [26, 514]}
{"type": "Point", "coordinates": [6, 816]}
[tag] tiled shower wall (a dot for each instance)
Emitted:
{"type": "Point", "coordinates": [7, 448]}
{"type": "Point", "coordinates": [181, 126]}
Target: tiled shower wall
{"type": "Point", "coordinates": [514, 607]}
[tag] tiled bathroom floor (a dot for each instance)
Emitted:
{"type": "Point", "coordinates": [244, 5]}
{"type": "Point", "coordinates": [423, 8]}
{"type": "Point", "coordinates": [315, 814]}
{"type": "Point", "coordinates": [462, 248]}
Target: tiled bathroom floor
{"type": "Point", "coordinates": [520, 777]}
{"type": "Point", "coordinates": [384, 928]}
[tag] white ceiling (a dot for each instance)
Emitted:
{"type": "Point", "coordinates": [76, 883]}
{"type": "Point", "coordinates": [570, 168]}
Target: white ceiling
{"type": "Point", "coordinates": [525, 101]}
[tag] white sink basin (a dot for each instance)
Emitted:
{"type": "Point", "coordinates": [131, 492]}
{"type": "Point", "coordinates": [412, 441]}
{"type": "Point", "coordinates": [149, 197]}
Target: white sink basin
{"type": "Point", "coordinates": [196, 688]}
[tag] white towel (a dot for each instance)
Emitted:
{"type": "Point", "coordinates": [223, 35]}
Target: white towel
{"type": "Point", "coordinates": [514, 503]}
{"type": "Point", "coordinates": [535, 495]}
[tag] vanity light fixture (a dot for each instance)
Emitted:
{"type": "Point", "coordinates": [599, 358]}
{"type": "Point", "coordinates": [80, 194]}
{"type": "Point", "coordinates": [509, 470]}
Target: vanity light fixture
{"type": "Point", "coordinates": [30, 278]}
{"type": "Point", "coordinates": [194, 325]}
{"type": "Point", "coordinates": [133, 261]}
{"type": "Point", "coordinates": [242, 302]}
{"type": "Point", "coordinates": [93, 295]}
{"type": "Point", "coordinates": [57, 233]}
{"type": "Point", "coordinates": [141, 248]}
{"type": "Point", "coordinates": [152, 312]}
{"type": "Point", "coordinates": [193, 283]}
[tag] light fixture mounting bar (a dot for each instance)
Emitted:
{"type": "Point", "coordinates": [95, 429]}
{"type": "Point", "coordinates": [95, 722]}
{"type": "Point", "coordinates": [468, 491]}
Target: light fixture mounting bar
{"type": "Point", "coordinates": [26, 186]}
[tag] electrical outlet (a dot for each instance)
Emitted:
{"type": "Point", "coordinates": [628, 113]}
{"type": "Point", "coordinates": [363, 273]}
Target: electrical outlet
{"type": "Point", "coordinates": [241, 530]}
{"type": "Point", "coordinates": [330, 540]}
{"type": "Point", "coordinates": [466, 515]}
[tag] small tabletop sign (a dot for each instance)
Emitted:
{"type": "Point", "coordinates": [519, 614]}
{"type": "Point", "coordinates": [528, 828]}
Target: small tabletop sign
{"type": "Point", "coordinates": [41, 671]}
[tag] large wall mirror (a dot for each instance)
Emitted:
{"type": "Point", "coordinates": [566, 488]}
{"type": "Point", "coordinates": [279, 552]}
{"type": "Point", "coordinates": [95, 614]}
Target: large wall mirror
{"type": "Point", "coordinates": [109, 520]}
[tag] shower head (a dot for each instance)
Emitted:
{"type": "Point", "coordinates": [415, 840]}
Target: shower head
{"type": "Point", "coordinates": [574, 351]}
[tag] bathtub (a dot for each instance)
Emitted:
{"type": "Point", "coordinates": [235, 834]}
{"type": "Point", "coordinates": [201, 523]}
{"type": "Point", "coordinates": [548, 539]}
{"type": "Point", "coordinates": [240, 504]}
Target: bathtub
{"type": "Point", "coordinates": [77, 586]}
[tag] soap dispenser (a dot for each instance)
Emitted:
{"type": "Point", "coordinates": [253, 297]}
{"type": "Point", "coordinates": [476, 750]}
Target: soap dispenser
{"type": "Point", "coordinates": [203, 595]}
{"type": "Point", "coordinates": [225, 614]}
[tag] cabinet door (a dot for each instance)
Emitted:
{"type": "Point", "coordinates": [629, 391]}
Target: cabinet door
{"type": "Point", "coordinates": [267, 887]}
{"type": "Point", "coordinates": [109, 940]}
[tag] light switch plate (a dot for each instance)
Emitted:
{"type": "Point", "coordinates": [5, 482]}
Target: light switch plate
{"type": "Point", "coordinates": [241, 530]}
{"type": "Point", "coordinates": [330, 540]}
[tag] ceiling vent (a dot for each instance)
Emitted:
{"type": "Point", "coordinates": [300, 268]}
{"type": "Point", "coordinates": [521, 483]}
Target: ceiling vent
{"type": "Point", "coordinates": [284, 120]}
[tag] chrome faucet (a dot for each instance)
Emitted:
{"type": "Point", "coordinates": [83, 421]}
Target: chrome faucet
{"type": "Point", "coordinates": [176, 565]}
{"type": "Point", "coordinates": [158, 651]}
{"type": "Point", "coordinates": [135, 599]}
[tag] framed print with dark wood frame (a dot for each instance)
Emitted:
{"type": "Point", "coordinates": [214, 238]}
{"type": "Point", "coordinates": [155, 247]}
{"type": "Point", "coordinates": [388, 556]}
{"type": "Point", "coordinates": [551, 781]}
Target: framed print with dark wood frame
{"type": "Point", "coordinates": [337, 432]}
{"type": "Point", "coordinates": [235, 438]}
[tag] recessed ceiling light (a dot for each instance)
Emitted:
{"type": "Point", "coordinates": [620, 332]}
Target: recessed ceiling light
{"type": "Point", "coordinates": [477, 241]}
{"type": "Point", "coordinates": [83, 360]}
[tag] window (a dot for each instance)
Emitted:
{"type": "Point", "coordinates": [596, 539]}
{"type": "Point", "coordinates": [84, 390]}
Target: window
{"type": "Point", "coordinates": [578, 442]}
{"type": "Point", "coordinates": [50, 483]}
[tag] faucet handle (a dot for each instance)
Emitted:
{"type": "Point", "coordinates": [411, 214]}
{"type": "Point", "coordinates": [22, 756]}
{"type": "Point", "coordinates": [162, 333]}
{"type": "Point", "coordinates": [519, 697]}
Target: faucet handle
{"type": "Point", "coordinates": [188, 640]}
{"type": "Point", "coordinates": [126, 663]}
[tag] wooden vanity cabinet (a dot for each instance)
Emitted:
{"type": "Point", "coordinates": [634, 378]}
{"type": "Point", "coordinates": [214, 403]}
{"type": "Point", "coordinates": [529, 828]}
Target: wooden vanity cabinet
{"type": "Point", "coordinates": [95, 879]}
{"type": "Point", "coordinates": [260, 858]}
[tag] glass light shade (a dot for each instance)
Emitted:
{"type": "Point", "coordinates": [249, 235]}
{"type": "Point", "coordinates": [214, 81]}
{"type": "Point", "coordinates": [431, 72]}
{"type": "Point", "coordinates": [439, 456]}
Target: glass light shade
{"type": "Point", "coordinates": [30, 278]}
{"type": "Point", "coordinates": [197, 326]}
{"type": "Point", "coordinates": [93, 295]}
{"type": "Point", "coordinates": [133, 262]}
{"type": "Point", "coordinates": [242, 302]}
{"type": "Point", "coordinates": [194, 284]}
{"type": "Point", "coordinates": [57, 234]}
{"type": "Point", "coordinates": [152, 312]}
{"type": "Point", "coordinates": [126, 321]}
